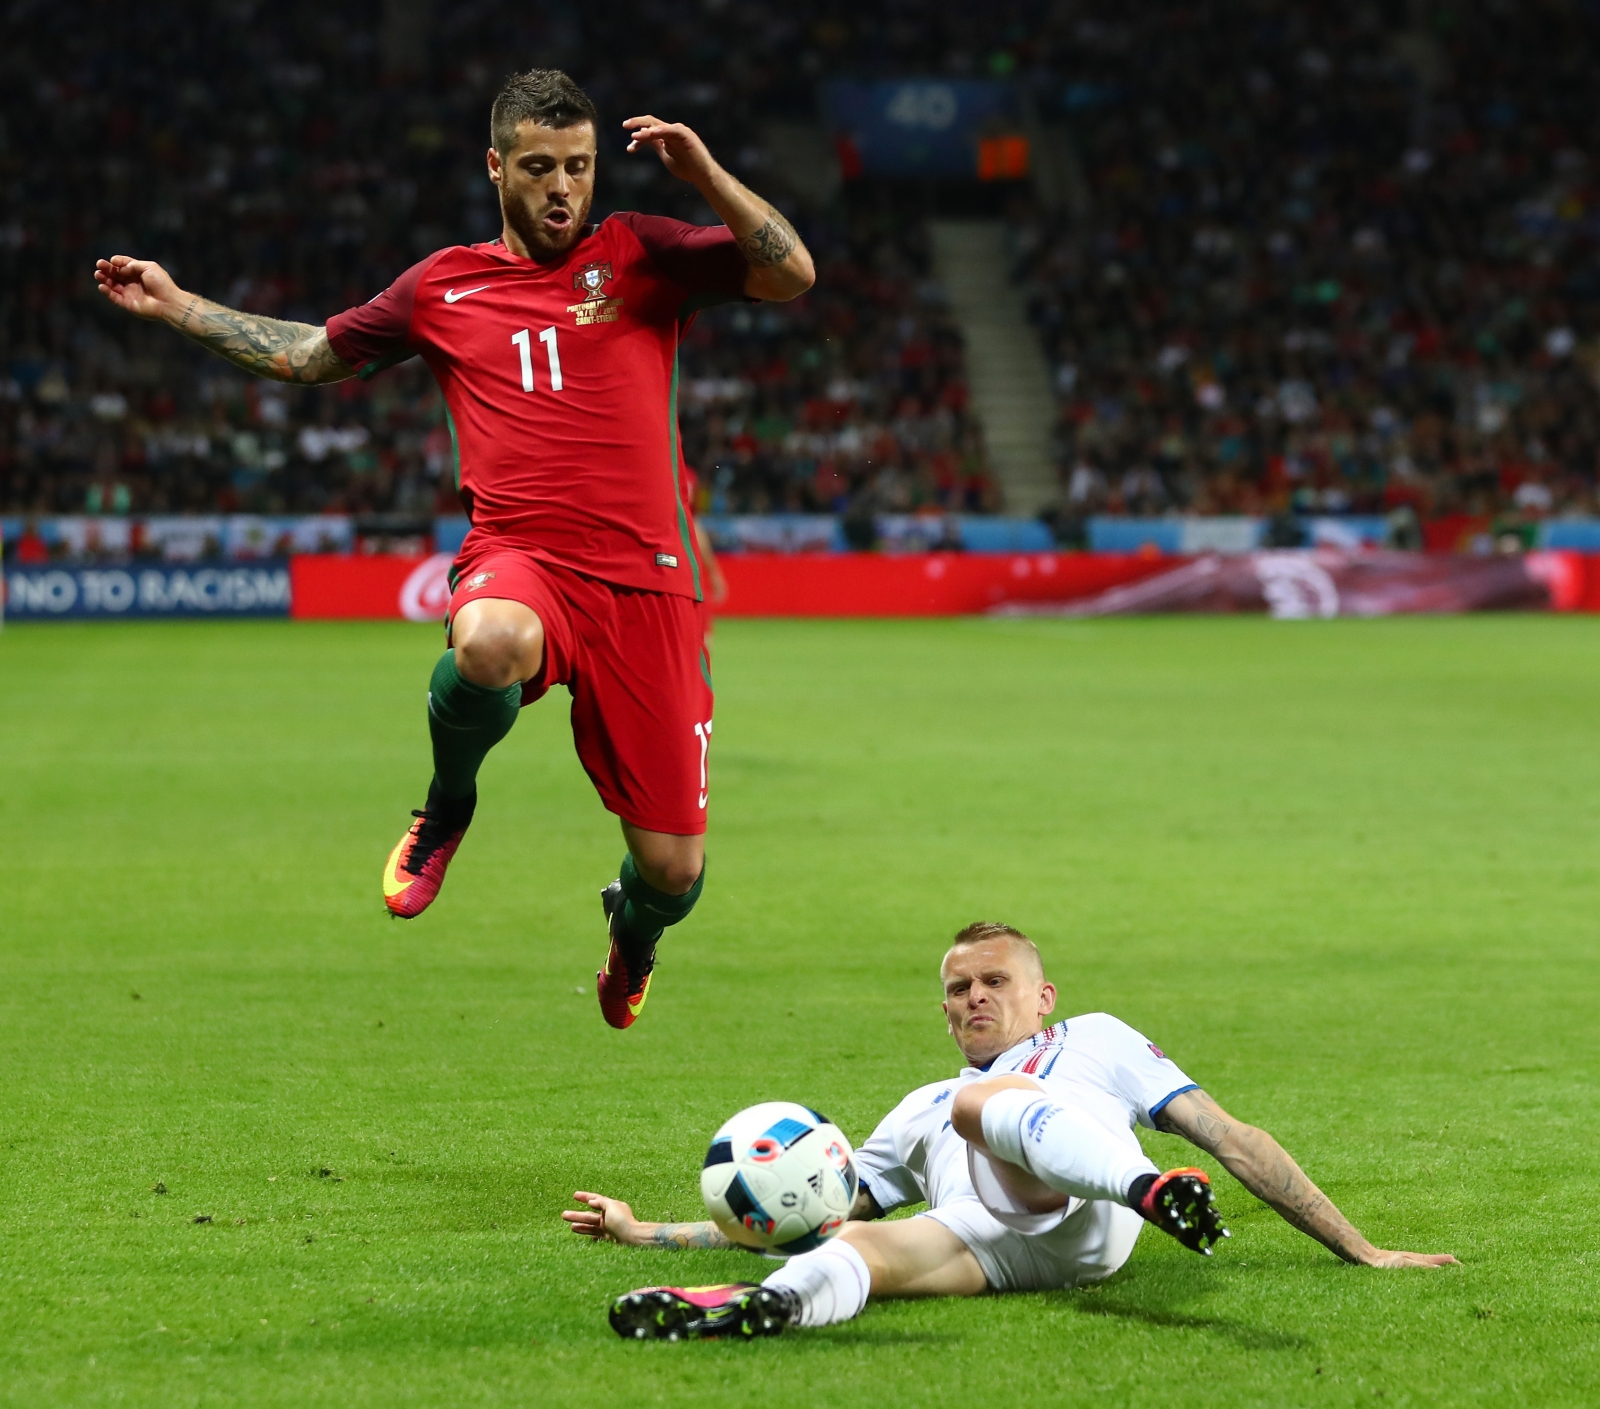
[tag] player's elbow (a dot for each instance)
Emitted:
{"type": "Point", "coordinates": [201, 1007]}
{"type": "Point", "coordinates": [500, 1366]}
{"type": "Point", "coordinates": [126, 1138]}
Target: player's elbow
{"type": "Point", "coordinates": [1247, 1147]}
{"type": "Point", "coordinates": [784, 281]}
{"type": "Point", "coordinates": [803, 271]}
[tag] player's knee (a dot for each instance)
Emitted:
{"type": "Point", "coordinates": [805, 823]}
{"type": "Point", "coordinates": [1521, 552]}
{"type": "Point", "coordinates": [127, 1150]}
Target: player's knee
{"type": "Point", "coordinates": [966, 1111]}
{"type": "Point", "coordinates": [678, 877]}
{"type": "Point", "coordinates": [495, 654]}
{"type": "Point", "coordinates": [966, 1114]}
{"type": "Point", "coordinates": [665, 862]}
{"type": "Point", "coordinates": [671, 876]}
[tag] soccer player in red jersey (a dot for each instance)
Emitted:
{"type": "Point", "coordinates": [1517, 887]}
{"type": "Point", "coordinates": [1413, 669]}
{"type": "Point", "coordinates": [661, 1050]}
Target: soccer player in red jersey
{"type": "Point", "coordinates": [556, 349]}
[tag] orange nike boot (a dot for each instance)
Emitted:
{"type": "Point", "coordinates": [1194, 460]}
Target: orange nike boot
{"type": "Point", "coordinates": [1179, 1202]}
{"type": "Point", "coordinates": [624, 983]}
{"type": "Point", "coordinates": [416, 867]}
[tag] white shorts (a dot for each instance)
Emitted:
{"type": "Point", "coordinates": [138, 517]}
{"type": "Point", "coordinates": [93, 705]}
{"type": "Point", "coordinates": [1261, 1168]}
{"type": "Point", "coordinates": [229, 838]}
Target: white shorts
{"type": "Point", "coordinates": [1091, 1243]}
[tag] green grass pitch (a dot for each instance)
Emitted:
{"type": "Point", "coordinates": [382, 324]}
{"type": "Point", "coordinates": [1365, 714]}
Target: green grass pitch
{"type": "Point", "coordinates": [1345, 873]}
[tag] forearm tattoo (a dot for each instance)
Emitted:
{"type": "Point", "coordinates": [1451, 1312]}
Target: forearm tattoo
{"type": "Point", "coordinates": [1208, 1130]}
{"type": "Point", "coordinates": [773, 243]}
{"type": "Point", "coordinates": [268, 347]}
{"type": "Point", "coordinates": [1197, 1119]}
{"type": "Point", "coordinates": [689, 1235]}
{"type": "Point", "coordinates": [1265, 1168]}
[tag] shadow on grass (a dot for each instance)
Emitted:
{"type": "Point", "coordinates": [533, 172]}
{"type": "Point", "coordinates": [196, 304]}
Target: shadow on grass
{"type": "Point", "coordinates": [878, 1335]}
{"type": "Point", "coordinates": [1247, 1336]}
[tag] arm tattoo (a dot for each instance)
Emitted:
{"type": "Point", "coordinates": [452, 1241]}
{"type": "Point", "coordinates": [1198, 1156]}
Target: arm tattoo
{"type": "Point", "coordinates": [1264, 1167]}
{"type": "Point", "coordinates": [268, 347]}
{"type": "Point", "coordinates": [773, 243]}
{"type": "Point", "coordinates": [689, 1235]}
{"type": "Point", "coordinates": [1198, 1119]}
{"type": "Point", "coordinates": [1208, 1130]}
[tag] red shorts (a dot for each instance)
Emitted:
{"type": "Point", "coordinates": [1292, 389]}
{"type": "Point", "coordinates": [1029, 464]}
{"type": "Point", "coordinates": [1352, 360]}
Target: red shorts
{"type": "Point", "coordinates": [635, 664]}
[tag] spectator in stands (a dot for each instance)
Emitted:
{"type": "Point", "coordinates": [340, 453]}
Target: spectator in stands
{"type": "Point", "coordinates": [1322, 260]}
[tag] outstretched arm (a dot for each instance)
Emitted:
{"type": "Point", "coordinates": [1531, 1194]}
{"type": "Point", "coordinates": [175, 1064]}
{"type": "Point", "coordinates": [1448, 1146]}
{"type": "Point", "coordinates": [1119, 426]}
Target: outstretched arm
{"type": "Point", "coordinates": [612, 1221]}
{"type": "Point", "coordinates": [1269, 1172]}
{"type": "Point", "coordinates": [780, 264]}
{"type": "Point", "coordinates": [268, 347]}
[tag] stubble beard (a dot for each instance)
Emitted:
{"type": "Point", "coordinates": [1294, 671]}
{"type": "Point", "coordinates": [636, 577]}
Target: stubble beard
{"type": "Point", "coordinates": [519, 215]}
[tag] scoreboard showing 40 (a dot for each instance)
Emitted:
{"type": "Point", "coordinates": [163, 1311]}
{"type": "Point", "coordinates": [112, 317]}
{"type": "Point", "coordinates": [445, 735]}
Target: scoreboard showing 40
{"type": "Point", "coordinates": [917, 127]}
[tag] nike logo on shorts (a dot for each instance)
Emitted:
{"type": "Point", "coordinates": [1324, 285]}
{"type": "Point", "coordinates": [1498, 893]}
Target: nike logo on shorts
{"type": "Point", "coordinates": [451, 296]}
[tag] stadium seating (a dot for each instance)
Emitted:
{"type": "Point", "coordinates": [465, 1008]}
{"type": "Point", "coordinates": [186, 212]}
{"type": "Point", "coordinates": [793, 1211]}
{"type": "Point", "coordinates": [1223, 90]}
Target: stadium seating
{"type": "Point", "coordinates": [1314, 262]}
{"type": "Point", "coordinates": [1300, 258]}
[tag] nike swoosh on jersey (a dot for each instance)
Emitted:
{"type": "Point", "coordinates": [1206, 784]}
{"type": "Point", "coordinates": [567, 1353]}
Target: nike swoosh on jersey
{"type": "Point", "coordinates": [451, 296]}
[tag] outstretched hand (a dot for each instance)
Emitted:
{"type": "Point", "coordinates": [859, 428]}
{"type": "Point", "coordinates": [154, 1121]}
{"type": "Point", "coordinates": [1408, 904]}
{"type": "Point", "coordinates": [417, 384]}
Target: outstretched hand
{"type": "Point", "coordinates": [1382, 1257]}
{"type": "Point", "coordinates": [679, 147]}
{"type": "Point", "coordinates": [605, 1220]}
{"type": "Point", "coordinates": [137, 286]}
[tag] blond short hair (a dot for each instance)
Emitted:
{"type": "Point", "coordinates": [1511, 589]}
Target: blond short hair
{"type": "Point", "coordinates": [981, 931]}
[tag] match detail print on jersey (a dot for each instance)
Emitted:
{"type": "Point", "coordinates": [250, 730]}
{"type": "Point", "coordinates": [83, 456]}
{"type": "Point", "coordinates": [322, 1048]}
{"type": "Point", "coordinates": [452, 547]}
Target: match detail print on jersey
{"type": "Point", "coordinates": [558, 378]}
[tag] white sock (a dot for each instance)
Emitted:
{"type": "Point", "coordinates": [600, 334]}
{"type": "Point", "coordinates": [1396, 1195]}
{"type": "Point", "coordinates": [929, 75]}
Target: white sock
{"type": "Point", "coordinates": [832, 1283]}
{"type": "Point", "coordinates": [1071, 1151]}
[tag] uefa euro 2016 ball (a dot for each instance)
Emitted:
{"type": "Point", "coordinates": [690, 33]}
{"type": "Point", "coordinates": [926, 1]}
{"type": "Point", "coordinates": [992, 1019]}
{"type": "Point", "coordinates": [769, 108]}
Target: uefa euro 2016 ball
{"type": "Point", "coordinates": [779, 1178]}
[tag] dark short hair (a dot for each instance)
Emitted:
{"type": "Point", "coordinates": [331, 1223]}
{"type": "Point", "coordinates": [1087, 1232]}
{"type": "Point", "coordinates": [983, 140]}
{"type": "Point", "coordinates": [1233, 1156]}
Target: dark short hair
{"type": "Point", "coordinates": [542, 95]}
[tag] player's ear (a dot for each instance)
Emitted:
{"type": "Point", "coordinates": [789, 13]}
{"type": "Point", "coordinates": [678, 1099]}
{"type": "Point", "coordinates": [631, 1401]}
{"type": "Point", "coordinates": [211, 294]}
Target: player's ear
{"type": "Point", "coordinates": [494, 166]}
{"type": "Point", "coordinates": [1047, 999]}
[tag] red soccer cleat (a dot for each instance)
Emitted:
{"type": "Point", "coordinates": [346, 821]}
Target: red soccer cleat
{"type": "Point", "coordinates": [624, 983]}
{"type": "Point", "coordinates": [1179, 1203]}
{"type": "Point", "coordinates": [416, 867]}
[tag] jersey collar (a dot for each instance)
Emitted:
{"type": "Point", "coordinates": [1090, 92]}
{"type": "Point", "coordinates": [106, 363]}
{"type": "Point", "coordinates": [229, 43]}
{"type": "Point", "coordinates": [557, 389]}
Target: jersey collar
{"type": "Point", "coordinates": [497, 248]}
{"type": "Point", "coordinates": [1024, 1052]}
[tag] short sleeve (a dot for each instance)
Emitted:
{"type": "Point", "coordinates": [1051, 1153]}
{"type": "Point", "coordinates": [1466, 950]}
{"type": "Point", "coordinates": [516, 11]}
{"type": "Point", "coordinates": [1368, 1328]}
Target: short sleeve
{"type": "Point", "coordinates": [377, 334]}
{"type": "Point", "coordinates": [700, 259]}
{"type": "Point", "coordinates": [880, 1171]}
{"type": "Point", "coordinates": [1141, 1073]}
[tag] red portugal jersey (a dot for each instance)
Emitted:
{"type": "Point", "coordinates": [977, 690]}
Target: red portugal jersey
{"type": "Point", "coordinates": [560, 382]}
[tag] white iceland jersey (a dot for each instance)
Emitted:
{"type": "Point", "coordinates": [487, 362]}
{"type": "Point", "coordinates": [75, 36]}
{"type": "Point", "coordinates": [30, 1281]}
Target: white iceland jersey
{"type": "Point", "coordinates": [1095, 1063]}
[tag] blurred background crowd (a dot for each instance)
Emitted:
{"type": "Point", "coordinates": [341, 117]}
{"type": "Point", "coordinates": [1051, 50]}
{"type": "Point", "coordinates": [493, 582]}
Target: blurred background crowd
{"type": "Point", "coordinates": [1312, 257]}
{"type": "Point", "coordinates": [1330, 257]}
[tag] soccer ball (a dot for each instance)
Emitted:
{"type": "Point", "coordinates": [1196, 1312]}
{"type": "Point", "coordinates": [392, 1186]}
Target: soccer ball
{"type": "Point", "coordinates": [779, 1178]}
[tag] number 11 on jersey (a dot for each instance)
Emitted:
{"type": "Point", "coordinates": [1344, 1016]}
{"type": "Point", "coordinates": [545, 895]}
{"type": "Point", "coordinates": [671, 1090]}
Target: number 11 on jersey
{"type": "Point", "coordinates": [524, 348]}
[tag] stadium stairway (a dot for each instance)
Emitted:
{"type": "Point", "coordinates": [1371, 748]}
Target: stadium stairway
{"type": "Point", "coordinates": [1006, 368]}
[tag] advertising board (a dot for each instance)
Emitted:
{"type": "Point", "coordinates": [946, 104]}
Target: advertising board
{"type": "Point", "coordinates": [48, 592]}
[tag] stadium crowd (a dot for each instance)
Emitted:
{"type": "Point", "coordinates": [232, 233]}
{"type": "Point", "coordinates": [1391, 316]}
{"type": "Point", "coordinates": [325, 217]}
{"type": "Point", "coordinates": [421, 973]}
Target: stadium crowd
{"type": "Point", "coordinates": [1312, 258]}
{"type": "Point", "coordinates": [292, 160]}
{"type": "Point", "coordinates": [1324, 258]}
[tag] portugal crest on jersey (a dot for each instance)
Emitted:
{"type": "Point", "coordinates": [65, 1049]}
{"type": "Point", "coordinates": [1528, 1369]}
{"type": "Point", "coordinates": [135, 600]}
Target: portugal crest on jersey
{"type": "Point", "coordinates": [590, 281]}
{"type": "Point", "coordinates": [596, 307]}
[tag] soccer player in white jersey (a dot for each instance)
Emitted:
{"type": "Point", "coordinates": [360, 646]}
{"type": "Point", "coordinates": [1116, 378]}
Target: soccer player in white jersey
{"type": "Point", "coordinates": [1028, 1163]}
